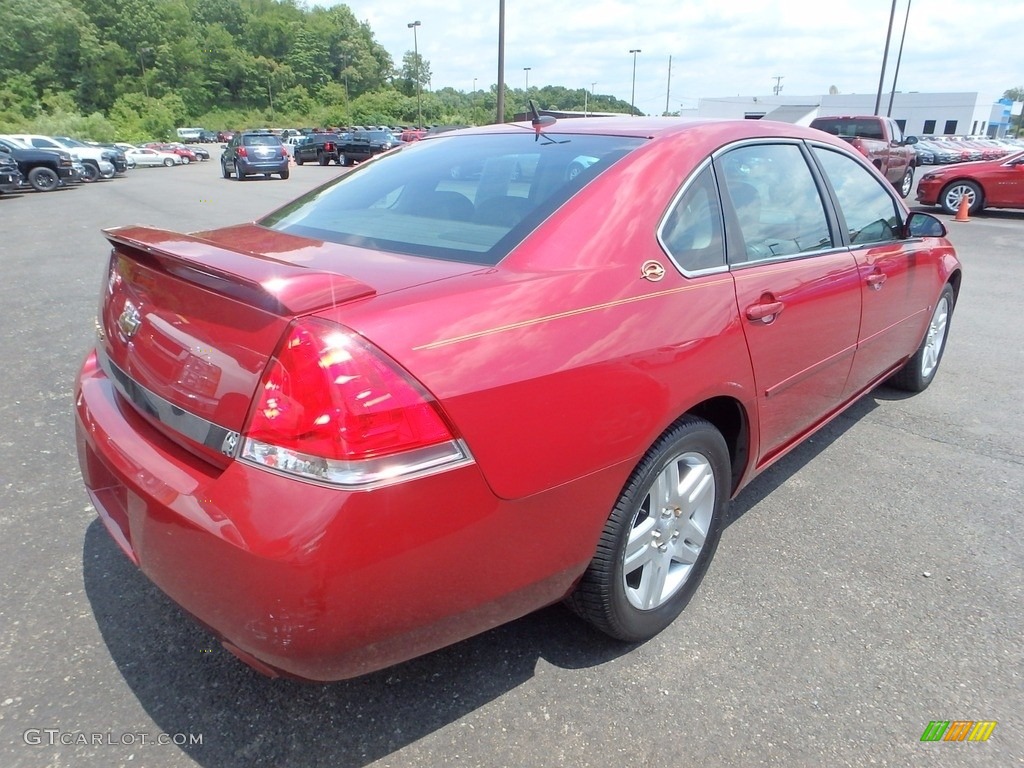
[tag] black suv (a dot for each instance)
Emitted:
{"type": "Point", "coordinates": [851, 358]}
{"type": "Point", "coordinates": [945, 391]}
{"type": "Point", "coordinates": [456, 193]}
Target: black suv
{"type": "Point", "coordinates": [254, 152]}
{"type": "Point", "coordinates": [319, 148]}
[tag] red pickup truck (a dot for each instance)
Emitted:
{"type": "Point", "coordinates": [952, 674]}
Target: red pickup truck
{"type": "Point", "coordinates": [881, 141]}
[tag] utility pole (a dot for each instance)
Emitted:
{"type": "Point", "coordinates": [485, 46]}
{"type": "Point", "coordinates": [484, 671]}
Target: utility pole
{"type": "Point", "coordinates": [885, 58]}
{"type": "Point", "coordinates": [632, 97]}
{"type": "Point", "coordinates": [777, 89]}
{"type": "Point", "coordinates": [899, 57]}
{"type": "Point", "coordinates": [668, 88]}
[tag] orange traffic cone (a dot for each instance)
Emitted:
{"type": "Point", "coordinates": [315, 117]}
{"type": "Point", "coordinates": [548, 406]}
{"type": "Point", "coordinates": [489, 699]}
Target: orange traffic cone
{"type": "Point", "coordinates": [961, 212]}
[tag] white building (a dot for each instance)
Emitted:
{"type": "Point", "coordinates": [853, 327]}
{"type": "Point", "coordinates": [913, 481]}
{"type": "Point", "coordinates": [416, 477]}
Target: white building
{"type": "Point", "coordinates": [919, 114]}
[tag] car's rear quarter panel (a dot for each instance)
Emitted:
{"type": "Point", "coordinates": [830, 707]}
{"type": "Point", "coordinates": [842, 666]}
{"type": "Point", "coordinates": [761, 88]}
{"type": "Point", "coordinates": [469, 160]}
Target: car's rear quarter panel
{"type": "Point", "coordinates": [563, 362]}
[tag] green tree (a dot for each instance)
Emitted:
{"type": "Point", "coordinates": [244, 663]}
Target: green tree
{"type": "Point", "coordinates": [414, 69]}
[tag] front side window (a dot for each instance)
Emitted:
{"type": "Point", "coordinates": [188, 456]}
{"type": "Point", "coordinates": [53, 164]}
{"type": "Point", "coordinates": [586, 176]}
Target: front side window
{"type": "Point", "coordinates": [463, 198]}
{"type": "Point", "coordinates": [776, 209]}
{"type": "Point", "coordinates": [869, 211]}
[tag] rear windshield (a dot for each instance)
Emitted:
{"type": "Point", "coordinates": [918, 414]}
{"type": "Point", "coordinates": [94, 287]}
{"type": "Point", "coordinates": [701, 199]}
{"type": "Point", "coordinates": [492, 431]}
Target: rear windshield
{"type": "Point", "coordinates": [461, 198]}
{"type": "Point", "coordinates": [851, 126]}
{"type": "Point", "coordinates": [257, 140]}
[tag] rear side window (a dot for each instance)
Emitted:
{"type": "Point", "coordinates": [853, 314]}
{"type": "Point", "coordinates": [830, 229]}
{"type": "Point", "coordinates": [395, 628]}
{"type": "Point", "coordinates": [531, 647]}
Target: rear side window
{"type": "Point", "coordinates": [869, 213]}
{"type": "Point", "coordinates": [692, 230]}
{"type": "Point", "coordinates": [463, 198]}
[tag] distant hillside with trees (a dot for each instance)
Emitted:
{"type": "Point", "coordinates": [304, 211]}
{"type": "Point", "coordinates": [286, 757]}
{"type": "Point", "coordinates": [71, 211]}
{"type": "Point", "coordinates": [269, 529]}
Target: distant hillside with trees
{"type": "Point", "coordinates": [136, 69]}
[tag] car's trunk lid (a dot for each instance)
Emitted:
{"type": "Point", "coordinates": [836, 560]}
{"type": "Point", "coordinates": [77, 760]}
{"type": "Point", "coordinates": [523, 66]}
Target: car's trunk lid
{"type": "Point", "coordinates": [188, 322]}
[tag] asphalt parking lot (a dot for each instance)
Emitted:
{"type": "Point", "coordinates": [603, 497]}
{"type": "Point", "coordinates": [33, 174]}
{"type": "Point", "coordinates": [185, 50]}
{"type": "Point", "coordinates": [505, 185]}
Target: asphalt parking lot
{"type": "Point", "coordinates": [868, 584]}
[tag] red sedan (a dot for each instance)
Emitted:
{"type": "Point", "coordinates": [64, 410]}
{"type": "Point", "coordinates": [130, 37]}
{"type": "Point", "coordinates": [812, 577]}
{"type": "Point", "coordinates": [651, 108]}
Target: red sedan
{"type": "Point", "coordinates": [187, 155]}
{"type": "Point", "coordinates": [984, 184]}
{"type": "Point", "coordinates": [414, 404]}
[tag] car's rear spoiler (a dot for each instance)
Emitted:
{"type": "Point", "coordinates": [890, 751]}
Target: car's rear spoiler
{"type": "Point", "coordinates": [279, 287]}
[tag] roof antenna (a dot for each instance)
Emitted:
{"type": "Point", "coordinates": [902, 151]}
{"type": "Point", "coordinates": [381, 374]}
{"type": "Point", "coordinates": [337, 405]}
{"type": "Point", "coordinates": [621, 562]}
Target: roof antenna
{"type": "Point", "coordinates": [539, 121]}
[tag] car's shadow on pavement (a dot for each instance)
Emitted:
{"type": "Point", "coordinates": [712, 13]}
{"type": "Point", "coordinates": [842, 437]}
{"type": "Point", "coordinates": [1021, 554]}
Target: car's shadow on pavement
{"type": "Point", "coordinates": [190, 685]}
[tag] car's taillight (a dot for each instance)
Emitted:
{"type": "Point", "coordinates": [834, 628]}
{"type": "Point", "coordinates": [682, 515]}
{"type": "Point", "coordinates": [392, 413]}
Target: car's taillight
{"type": "Point", "coordinates": [241, 152]}
{"type": "Point", "coordinates": [332, 407]}
{"type": "Point", "coordinates": [328, 146]}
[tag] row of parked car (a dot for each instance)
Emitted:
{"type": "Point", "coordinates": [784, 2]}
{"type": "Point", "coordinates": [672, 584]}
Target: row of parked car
{"type": "Point", "coordinates": [46, 163]}
{"type": "Point", "coordinates": [942, 150]}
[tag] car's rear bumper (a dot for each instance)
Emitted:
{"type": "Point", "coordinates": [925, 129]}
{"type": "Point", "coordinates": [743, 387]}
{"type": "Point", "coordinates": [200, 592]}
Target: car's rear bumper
{"type": "Point", "coordinates": [316, 582]}
{"type": "Point", "coordinates": [250, 166]}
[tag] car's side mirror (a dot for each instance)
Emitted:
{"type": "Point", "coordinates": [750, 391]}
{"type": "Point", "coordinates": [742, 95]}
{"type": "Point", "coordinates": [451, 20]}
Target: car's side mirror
{"type": "Point", "coordinates": [911, 140]}
{"type": "Point", "coordinates": [920, 224]}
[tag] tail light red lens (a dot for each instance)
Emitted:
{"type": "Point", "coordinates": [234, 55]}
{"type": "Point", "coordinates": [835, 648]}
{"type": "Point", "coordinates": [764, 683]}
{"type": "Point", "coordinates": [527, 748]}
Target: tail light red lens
{"type": "Point", "coordinates": [333, 407]}
{"type": "Point", "coordinates": [241, 152]}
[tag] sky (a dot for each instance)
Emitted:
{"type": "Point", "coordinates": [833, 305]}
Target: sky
{"type": "Point", "coordinates": [725, 48]}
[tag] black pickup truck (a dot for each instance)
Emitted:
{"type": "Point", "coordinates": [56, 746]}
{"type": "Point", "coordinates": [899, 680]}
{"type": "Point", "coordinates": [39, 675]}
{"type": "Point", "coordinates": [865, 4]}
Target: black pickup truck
{"type": "Point", "coordinates": [42, 169]}
{"type": "Point", "coordinates": [362, 145]}
{"type": "Point", "coordinates": [319, 148]}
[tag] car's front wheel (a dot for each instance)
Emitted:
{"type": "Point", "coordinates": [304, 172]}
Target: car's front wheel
{"type": "Point", "coordinates": [43, 179]}
{"type": "Point", "coordinates": [168, 162]}
{"type": "Point", "coordinates": [919, 370]}
{"type": "Point", "coordinates": [958, 191]}
{"type": "Point", "coordinates": [661, 535]}
{"type": "Point", "coordinates": [92, 172]}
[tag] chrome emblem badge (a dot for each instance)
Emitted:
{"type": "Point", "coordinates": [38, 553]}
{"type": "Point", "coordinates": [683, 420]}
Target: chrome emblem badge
{"type": "Point", "coordinates": [230, 444]}
{"type": "Point", "coordinates": [130, 320]}
{"type": "Point", "coordinates": [652, 270]}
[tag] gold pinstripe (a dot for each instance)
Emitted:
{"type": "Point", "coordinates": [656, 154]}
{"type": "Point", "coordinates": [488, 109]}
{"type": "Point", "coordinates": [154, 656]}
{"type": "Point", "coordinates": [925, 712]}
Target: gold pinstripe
{"type": "Point", "coordinates": [562, 315]}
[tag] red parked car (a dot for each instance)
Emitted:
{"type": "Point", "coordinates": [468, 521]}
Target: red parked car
{"type": "Point", "coordinates": [984, 184]}
{"type": "Point", "coordinates": [413, 404]}
{"type": "Point", "coordinates": [187, 155]}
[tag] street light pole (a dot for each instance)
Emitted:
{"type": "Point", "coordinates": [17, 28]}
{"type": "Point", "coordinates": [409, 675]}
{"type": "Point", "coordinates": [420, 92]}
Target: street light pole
{"type": "Point", "coordinates": [500, 117]}
{"type": "Point", "coordinates": [416, 52]}
{"type": "Point", "coordinates": [632, 98]}
{"type": "Point", "coordinates": [526, 109]}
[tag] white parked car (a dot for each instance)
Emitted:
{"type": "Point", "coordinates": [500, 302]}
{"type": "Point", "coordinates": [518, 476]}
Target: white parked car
{"type": "Point", "coordinates": [139, 157]}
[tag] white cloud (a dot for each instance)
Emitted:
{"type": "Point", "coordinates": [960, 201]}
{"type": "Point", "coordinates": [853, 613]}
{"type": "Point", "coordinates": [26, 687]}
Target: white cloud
{"type": "Point", "coordinates": [717, 49]}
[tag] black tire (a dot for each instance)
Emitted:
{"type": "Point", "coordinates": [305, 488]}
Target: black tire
{"type": "Point", "coordinates": [907, 184]}
{"type": "Point", "coordinates": [43, 179]}
{"type": "Point", "coordinates": [169, 163]}
{"type": "Point", "coordinates": [185, 160]}
{"type": "Point", "coordinates": [239, 176]}
{"type": "Point", "coordinates": [298, 160]}
{"type": "Point", "coordinates": [917, 373]}
{"type": "Point", "coordinates": [224, 171]}
{"type": "Point", "coordinates": [284, 174]}
{"type": "Point", "coordinates": [630, 601]}
{"type": "Point", "coordinates": [92, 172]}
{"type": "Point", "coordinates": [322, 158]}
{"type": "Point", "coordinates": [953, 193]}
